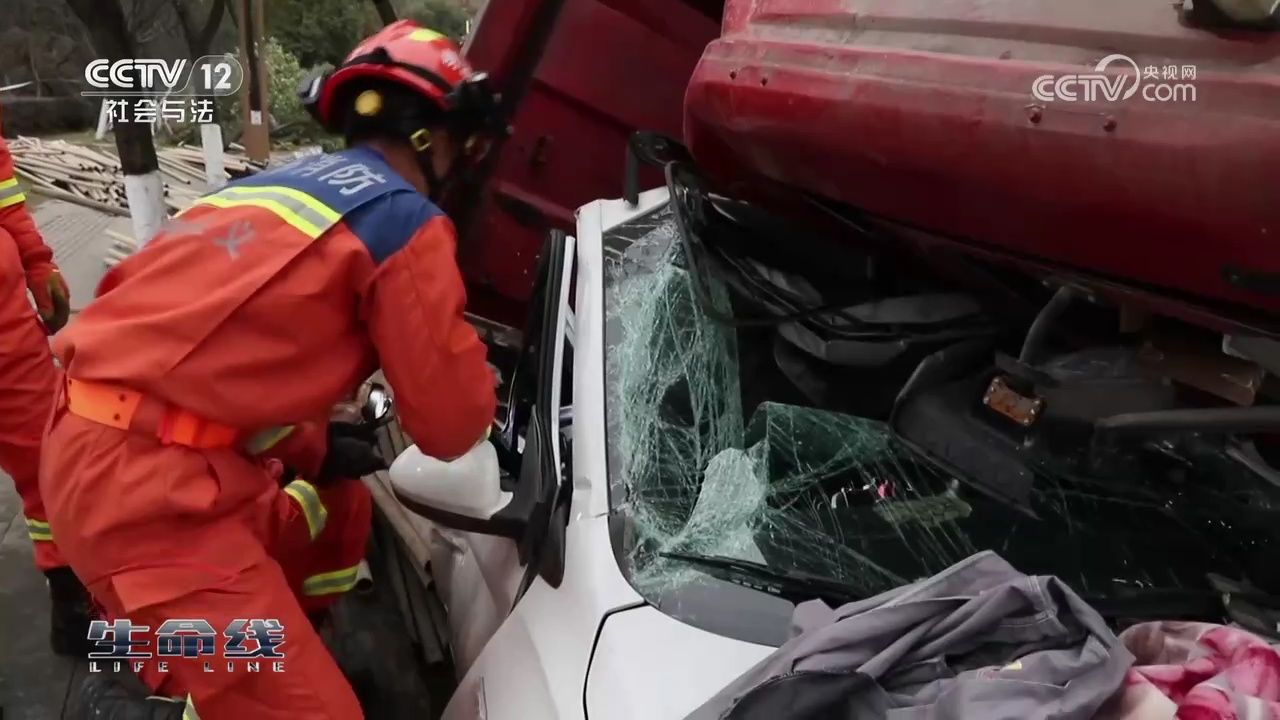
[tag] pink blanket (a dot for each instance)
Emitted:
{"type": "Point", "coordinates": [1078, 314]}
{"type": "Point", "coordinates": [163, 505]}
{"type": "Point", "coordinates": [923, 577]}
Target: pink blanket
{"type": "Point", "coordinates": [1197, 671]}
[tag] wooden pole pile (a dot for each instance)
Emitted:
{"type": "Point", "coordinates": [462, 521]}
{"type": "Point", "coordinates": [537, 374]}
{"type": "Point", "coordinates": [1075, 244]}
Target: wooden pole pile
{"type": "Point", "coordinates": [90, 174]}
{"type": "Point", "coordinates": [122, 246]}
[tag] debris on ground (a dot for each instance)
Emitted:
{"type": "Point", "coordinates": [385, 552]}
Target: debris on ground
{"type": "Point", "coordinates": [91, 175]}
{"type": "Point", "coordinates": [122, 246]}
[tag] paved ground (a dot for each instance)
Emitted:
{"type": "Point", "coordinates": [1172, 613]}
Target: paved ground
{"type": "Point", "coordinates": [33, 682]}
{"type": "Point", "coordinates": [78, 236]}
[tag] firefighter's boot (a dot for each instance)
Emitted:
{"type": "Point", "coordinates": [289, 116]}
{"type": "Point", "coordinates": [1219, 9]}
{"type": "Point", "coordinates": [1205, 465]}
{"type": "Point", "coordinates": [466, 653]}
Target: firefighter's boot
{"type": "Point", "coordinates": [108, 696]}
{"type": "Point", "coordinates": [70, 612]}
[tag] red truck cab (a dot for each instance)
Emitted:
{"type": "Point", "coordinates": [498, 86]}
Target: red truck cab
{"type": "Point", "coordinates": [1035, 239]}
{"type": "Point", "coordinates": [580, 77]}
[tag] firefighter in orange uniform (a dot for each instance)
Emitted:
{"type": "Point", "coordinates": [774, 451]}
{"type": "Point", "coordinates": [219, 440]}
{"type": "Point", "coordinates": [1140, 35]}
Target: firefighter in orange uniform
{"type": "Point", "coordinates": [255, 309]}
{"type": "Point", "coordinates": [28, 379]}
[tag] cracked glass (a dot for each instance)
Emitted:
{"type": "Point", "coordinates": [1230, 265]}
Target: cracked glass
{"type": "Point", "coordinates": [710, 456]}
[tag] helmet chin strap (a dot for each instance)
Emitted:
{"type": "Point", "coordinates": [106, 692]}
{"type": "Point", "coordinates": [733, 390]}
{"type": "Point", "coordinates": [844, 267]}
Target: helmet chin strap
{"type": "Point", "coordinates": [421, 141]}
{"type": "Point", "coordinates": [436, 185]}
{"type": "Point", "coordinates": [434, 182]}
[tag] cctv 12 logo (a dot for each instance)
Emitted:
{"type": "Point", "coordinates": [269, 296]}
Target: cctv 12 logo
{"type": "Point", "coordinates": [210, 75]}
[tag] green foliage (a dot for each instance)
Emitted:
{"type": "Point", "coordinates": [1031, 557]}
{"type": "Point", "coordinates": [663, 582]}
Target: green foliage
{"type": "Point", "coordinates": [304, 34]}
{"type": "Point", "coordinates": [324, 31]}
{"type": "Point", "coordinates": [290, 123]}
{"type": "Point", "coordinates": [318, 31]}
{"type": "Point", "coordinates": [442, 16]}
{"type": "Point", "coordinates": [285, 75]}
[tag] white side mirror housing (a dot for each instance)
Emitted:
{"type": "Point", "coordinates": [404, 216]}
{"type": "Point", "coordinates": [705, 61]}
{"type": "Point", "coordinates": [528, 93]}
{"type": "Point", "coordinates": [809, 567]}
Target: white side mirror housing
{"type": "Point", "coordinates": [465, 493]}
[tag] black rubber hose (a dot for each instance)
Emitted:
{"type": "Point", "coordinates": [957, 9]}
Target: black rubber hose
{"type": "Point", "coordinates": [940, 367]}
{"type": "Point", "coordinates": [1038, 335]}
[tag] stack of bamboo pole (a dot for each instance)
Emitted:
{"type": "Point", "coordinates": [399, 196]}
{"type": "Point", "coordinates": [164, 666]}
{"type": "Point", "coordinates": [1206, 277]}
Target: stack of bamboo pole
{"type": "Point", "coordinates": [122, 246]}
{"type": "Point", "coordinates": [91, 175]}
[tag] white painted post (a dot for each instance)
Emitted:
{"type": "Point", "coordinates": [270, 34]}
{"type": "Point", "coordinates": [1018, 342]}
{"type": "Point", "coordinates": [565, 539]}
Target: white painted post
{"type": "Point", "coordinates": [104, 120]}
{"type": "Point", "coordinates": [145, 194]}
{"type": "Point", "coordinates": [211, 139]}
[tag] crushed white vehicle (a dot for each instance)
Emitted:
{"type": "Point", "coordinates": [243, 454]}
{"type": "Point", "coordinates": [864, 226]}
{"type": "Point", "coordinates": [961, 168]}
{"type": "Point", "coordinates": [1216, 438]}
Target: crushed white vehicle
{"type": "Point", "coordinates": [541, 620]}
{"type": "Point", "coordinates": [673, 474]}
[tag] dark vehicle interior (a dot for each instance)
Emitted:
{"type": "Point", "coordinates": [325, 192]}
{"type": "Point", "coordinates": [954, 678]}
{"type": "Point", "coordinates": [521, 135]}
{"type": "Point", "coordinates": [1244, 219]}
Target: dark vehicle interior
{"type": "Point", "coordinates": [896, 416]}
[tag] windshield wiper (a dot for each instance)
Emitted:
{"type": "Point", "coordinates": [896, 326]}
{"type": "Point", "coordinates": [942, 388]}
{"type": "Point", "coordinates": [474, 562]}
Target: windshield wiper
{"type": "Point", "coordinates": [789, 584]}
{"type": "Point", "coordinates": [1256, 611]}
{"type": "Point", "coordinates": [1159, 604]}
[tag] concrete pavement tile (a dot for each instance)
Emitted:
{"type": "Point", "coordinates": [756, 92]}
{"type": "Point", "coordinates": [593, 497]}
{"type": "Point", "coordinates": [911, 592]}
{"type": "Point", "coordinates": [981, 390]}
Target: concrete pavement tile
{"type": "Point", "coordinates": [33, 681]}
{"type": "Point", "coordinates": [79, 240]}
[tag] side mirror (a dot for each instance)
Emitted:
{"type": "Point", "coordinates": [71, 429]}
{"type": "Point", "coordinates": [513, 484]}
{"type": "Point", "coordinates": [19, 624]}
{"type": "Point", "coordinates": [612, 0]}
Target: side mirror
{"type": "Point", "coordinates": [464, 494]}
{"type": "Point", "coordinates": [378, 408]}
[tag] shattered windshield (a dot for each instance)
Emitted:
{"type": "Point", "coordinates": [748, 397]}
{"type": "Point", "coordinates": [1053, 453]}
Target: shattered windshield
{"type": "Point", "coordinates": [712, 453]}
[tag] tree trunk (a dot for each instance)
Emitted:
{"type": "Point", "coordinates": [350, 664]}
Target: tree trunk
{"type": "Point", "coordinates": [386, 11]}
{"type": "Point", "coordinates": [105, 22]}
{"type": "Point", "coordinates": [199, 38]}
{"type": "Point", "coordinates": [106, 25]}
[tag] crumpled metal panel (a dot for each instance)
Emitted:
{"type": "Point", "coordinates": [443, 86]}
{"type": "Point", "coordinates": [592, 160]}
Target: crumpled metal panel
{"type": "Point", "coordinates": [921, 111]}
{"type": "Point", "coordinates": [609, 68]}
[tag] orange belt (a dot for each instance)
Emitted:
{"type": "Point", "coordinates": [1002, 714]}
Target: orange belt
{"type": "Point", "coordinates": [125, 409]}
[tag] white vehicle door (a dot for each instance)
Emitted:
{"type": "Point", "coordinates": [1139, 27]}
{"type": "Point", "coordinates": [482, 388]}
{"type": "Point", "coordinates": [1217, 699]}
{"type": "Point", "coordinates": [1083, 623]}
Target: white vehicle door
{"type": "Point", "coordinates": [480, 577]}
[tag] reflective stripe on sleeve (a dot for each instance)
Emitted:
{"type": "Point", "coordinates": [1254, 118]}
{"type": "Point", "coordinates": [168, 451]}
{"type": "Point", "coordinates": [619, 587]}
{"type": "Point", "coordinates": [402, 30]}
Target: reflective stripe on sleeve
{"type": "Point", "coordinates": [305, 213]}
{"type": "Point", "coordinates": [304, 493]}
{"type": "Point", "coordinates": [10, 193]}
{"type": "Point", "coordinates": [338, 581]}
{"type": "Point", "coordinates": [39, 531]}
{"type": "Point", "coordinates": [267, 439]}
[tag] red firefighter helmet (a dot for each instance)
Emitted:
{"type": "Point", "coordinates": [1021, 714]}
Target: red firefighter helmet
{"type": "Point", "coordinates": [422, 60]}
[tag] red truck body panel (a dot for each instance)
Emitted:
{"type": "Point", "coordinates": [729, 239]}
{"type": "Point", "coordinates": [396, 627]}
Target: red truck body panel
{"type": "Point", "coordinates": [606, 69]}
{"type": "Point", "coordinates": [922, 112]}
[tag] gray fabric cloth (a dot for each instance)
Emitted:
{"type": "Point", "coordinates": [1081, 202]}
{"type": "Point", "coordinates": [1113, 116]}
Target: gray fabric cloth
{"type": "Point", "coordinates": [978, 641]}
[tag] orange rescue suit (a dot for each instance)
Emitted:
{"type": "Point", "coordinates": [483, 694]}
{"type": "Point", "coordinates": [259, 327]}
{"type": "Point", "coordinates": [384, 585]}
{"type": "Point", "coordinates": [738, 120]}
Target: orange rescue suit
{"type": "Point", "coordinates": [258, 307]}
{"type": "Point", "coordinates": [27, 374]}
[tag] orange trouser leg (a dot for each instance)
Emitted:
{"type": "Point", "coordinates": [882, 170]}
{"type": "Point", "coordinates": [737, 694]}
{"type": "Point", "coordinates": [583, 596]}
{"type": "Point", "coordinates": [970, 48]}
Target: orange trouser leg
{"type": "Point", "coordinates": [163, 533]}
{"type": "Point", "coordinates": [316, 572]}
{"type": "Point", "coordinates": [326, 568]}
{"type": "Point", "coordinates": [311, 687]}
{"type": "Point", "coordinates": [28, 379]}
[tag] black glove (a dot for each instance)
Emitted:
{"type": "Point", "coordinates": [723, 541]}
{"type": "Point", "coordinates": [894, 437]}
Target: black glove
{"type": "Point", "coordinates": [348, 457]}
{"type": "Point", "coordinates": [360, 431]}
